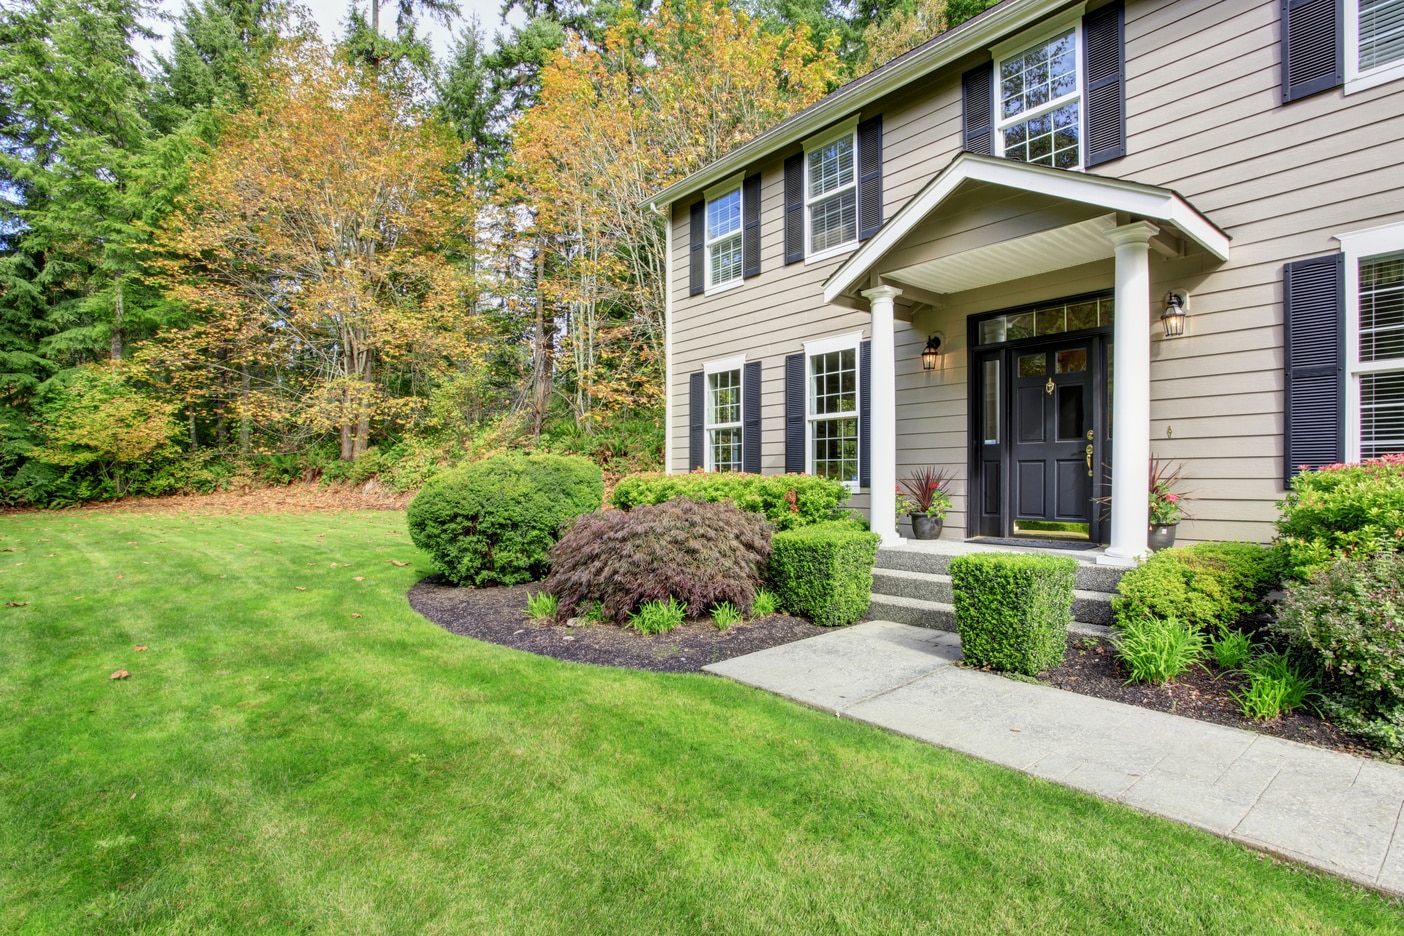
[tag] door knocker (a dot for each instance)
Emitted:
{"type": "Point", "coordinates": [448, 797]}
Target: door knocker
{"type": "Point", "coordinates": [1048, 387]}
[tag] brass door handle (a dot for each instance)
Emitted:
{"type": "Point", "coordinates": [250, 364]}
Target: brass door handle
{"type": "Point", "coordinates": [1089, 460]}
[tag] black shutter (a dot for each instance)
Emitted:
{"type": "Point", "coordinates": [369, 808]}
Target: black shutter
{"type": "Point", "coordinates": [869, 177]}
{"type": "Point", "coordinates": [751, 414]}
{"type": "Point", "coordinates": [1104, 70]}
{"type": "Point", "coordinates": [697, 270]}
{"type": "Point", "coordinates": [794, 208]}
{"type": "Point", "coordinates": [865, 414]}
{"type": "Point", "coordinates": [1313, 47]}
{"type": "Point", "coordinates": [977, 101]}
{"type": "Point", "coordinates": [696, 421]}
{"type": "Point", "coordinates": [794, 414]}
{"type": "Point", "coordinates": [1313, 346]}
{"type": "Point", "coordinates": [750, 226]}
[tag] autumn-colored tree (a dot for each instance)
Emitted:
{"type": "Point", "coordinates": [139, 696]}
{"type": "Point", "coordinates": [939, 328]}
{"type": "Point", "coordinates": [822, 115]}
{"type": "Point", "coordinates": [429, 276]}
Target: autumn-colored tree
{"type": "Point", "coordinates": [312, 242]}
{"type": "Point", "coordinates": [616, 121]}
{"type": "Point", "coordinates": [910, 24]}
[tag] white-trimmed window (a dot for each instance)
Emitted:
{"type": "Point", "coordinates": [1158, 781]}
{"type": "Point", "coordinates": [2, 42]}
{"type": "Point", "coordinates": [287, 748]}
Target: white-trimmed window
{"type": "Point", "coordinates": [723, 252]}
{"type": "Point", "coordinates": [833, 408]}
{"type": "Point", "coordinates": [723, 422]}
{"type": "Point", "coordinates": [831, 191]}
{"type": "Point", "coordinates": [1374, 272]}
{"type": "Point", "coordinates": [1039, 101]}
{"type": "Point", "coordinates": [1374, 42]}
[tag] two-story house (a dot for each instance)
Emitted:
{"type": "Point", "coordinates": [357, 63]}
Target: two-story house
{"type": "Point", "coordinates": [1049, 243]}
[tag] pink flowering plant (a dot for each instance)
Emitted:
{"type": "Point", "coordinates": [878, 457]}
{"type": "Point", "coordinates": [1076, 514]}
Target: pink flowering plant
{"type": "Point", "coordinates": [1166, 504]}
{"type": "Point", "coordinates": [924, 491]}
{"type": "Point", "coordinates": [1342, 510]}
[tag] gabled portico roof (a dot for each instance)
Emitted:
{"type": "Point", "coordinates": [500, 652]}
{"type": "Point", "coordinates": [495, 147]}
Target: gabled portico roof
{"type": "Point", "coordinates": [1147, 202]}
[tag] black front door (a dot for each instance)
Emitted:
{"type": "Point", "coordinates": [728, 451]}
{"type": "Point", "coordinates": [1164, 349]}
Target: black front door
{"type": "Point", "coordinates": [1052, 434]}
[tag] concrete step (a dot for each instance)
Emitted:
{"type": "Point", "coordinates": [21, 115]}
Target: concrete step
{"type": "Point", "coordinates": [939, 615]}
{"type": "Point", "coordinates": [1090, 576]}
{"type": "Point", "coordinates": [1093, 607]}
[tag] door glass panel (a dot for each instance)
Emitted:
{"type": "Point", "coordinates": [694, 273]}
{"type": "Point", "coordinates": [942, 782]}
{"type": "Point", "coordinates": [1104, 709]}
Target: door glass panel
{"type": "Point", "coordinates": [1033, 365]}
{"type": "Point", "coordinates": [1072, 361]}
{"type": "Point", "coordinates": [990, 408]}
{"type": "Point", "coordinates": [1072, 420]}
{"type": "Point", "coordinates": [992, 331]}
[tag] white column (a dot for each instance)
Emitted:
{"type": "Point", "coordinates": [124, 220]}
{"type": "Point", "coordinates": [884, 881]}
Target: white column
{"type": "Point", "coordinates": [1131, 396]}
{"type": "Point", "coordinates": [882, 406]}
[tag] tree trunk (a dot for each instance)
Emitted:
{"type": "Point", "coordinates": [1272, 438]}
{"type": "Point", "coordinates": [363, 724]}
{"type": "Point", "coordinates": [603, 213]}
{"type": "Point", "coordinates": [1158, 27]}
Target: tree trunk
{"type": "Point", "coordinates": [363, 424]}
{"type": "Point", "coordinates": [117, 320]}
{"type": "Point", "coordinates": [544, 357]}
{"type": "Point", "coordinates": [375, 17]}
{"type": "Point", "coordinates": [194, 438]}
{"type": "Point", "coordinates": [244, 380]}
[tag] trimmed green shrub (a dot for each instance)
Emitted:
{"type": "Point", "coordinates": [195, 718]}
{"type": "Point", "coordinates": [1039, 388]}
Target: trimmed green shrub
{"type": "Point", "coordinates": [658, 617]}
{"type": "Point", "coordinates": [1156, 650]}
{"type": "Point", "coordinates": [824, 572]}
{"type": "Point", "coordinates": [1013, 609]}
{"type": "Point", "coordinates": [696, 552]}
{"type": "Point", "coordinates": [1208, 586]}
{"type": "Point", "coordinates": [1349, 618]}
{"type": "Point", "coordinates": [1342, 510]}
{"type": "Point", "coordinates": [494, 522]}
{"type": "Point", "coordinates": [787, 501]}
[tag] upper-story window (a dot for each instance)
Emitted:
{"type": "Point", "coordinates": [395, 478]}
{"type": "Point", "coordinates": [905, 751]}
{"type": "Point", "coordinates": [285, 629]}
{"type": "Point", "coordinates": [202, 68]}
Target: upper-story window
{"type": "Point", "coordinates": [1040, 103]}
{"type": "Point", "coordinates": [831, 193]}
{"type": "Point", "coordinates": [1374, 46]}
{"type": "Point", "coordinates": [724, 239]}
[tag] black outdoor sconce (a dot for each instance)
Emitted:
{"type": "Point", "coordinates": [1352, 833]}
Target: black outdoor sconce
{"type": "Point", "coordinates": [931, 354]}
{"type": "Point", "coordinates": [1176, 311]}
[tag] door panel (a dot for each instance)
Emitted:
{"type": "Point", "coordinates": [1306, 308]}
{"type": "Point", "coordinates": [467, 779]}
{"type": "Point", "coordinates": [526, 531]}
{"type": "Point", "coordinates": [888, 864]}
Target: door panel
{"type": "Point", "coordinates": [1031, 481]}
{"type": "Point", "coordinates": [1053, 393]}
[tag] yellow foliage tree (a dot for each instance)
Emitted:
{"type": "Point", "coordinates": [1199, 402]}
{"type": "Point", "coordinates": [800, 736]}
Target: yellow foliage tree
{"type": "Point", "coordinates": [657, 99]}
{"type": "Point", "coordinates": [312, 245]}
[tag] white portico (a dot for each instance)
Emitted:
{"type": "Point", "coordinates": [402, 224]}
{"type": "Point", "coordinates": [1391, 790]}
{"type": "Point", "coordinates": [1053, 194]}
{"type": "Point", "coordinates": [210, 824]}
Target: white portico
{"type": "Point", "coordinates": [1022, 222]}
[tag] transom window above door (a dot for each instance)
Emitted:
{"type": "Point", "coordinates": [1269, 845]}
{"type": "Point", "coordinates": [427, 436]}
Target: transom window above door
{"type": "Point", "coordinates": [1040, 101]}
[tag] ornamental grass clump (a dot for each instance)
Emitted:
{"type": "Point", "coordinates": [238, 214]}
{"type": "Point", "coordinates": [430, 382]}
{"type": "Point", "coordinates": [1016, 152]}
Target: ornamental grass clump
{"type": "Point", "coordinates": [658, 617]}
{"type": "Point", "coordinates": [1156, 650]}
{"type": "Point", "coordinates": [697, 553]}
{"type": "Point", "coordinates": [1276, 685]}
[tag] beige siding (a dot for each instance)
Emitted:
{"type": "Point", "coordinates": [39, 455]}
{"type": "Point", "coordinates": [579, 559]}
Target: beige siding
{"type": "Point", "coordinates": [1204, 117]}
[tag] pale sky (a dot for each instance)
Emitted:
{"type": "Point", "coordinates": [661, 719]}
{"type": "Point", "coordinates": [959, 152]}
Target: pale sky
{"type": "Point", "coordinates": [330, 14]}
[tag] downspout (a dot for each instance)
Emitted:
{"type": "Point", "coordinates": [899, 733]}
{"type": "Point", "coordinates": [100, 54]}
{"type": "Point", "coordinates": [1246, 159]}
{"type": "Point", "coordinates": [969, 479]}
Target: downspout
{"type": "Point", "coordinates": [666, 214]}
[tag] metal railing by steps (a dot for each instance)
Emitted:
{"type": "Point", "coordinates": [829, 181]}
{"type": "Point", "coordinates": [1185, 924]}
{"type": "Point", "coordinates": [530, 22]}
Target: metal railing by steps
{"type": "Point", "coordinates": [912, 585]}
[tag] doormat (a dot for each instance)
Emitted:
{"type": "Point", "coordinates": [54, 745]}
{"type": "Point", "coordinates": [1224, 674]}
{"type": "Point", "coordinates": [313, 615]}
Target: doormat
{"type": "Point", "coordinates": [1075, 545]}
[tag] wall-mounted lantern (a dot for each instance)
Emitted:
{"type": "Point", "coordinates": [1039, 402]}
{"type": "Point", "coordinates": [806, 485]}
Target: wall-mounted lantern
{"type": "Point", "coordinates": [1176, 311]}
{"type": "Point", "coordinates": [931, 354]}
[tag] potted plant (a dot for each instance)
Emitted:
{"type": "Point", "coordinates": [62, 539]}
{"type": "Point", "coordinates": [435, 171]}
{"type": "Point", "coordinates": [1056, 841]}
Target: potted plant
{"type": "Point", "coordinates": [923, 496]}
{"type": "Point", "coordinates": [1167, 506]}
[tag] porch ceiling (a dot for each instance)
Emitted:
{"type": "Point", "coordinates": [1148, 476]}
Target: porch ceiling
{"type": "Point", "coordinates": [1043, 252]}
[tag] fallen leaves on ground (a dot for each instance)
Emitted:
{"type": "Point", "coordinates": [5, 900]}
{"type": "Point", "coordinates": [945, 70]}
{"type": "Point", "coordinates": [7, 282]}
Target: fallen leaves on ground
{"type": "Point", "coordinates": [139, 647]}
{"type": "Point", "coordinates": [299, 588]}
{"type": "Point", "coordinates": [120, 674]}
{"type": "Point", "coordinates": [16, 604]}
{"type": "Point", "coordinates": [396, 562]}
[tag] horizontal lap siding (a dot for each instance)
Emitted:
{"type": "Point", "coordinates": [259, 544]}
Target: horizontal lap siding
{"type": "Point", "coordinates": [1204, 117]}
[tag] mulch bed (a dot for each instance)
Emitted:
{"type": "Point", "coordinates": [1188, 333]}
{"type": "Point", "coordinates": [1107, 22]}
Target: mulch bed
{"type": "Point", "coordinates": [1091, 668]}
{"type": "Point", "coordinates": [496, 615]}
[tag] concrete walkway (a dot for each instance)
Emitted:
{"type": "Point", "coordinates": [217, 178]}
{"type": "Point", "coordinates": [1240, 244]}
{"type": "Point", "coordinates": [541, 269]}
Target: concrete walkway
{"type": "Point", "coordinates": [1333, 811]}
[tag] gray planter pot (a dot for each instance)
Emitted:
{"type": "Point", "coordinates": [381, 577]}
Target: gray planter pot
{"type": "Point", "coordinates": [924, 527]}
{"type": "Point", "coordinates": [1162, 536]}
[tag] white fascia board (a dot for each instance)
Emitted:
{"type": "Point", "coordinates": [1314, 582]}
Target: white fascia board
{"type": "Point", "coordinates": [978, 33]}
{"type": "Point", "coordinates": [1099, 191]}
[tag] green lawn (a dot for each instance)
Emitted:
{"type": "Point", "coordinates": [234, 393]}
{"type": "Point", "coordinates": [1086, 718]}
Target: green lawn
{"type": "Point", "coordinates": [277, 764]}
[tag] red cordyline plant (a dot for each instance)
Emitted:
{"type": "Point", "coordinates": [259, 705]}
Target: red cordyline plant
{"type": "Point", "coordinates": [1166, 504]}
{"type": "Point", "coordinates": [924, 492]}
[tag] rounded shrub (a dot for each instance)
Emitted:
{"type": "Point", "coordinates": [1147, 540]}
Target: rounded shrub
{"type": "Point", "coordinates": [1349, 617]}
{"type": "Point", "coordinates": [1342, 510]}
{"type": "Point", "coordinates": [1207, 586]}
{"type": "Point", "coordinates": [697, 553]}
{"type": "Point", "coordinates": [494, 522]}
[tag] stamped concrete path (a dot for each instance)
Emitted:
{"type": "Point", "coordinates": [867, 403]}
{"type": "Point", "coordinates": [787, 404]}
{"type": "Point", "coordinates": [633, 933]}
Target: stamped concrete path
{"type": "Point", "coordinates": [1334, 811]}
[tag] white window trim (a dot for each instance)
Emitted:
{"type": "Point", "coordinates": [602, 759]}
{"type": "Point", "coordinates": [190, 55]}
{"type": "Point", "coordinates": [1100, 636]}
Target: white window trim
{"type": "Point", "coordinates": [722, 365]}
{"type": "Point", "coordinates": [1355, 79]}
{"type": "Point", "coordinates": [1024, 42]}
{"type": "Point", "coordinates": [725, 187]}
{"type": "Point", "coordinates": [1357, 246]}
{"type": "Point", "coordinates": [813, 349]}
{"type": "Point", "coordinates": [848, 128]}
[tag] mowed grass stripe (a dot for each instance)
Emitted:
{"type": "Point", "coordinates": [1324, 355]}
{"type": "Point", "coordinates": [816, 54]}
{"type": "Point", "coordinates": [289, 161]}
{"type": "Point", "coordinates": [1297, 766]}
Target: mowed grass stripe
{"type": "Point", "coordinates": [276, 764]}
